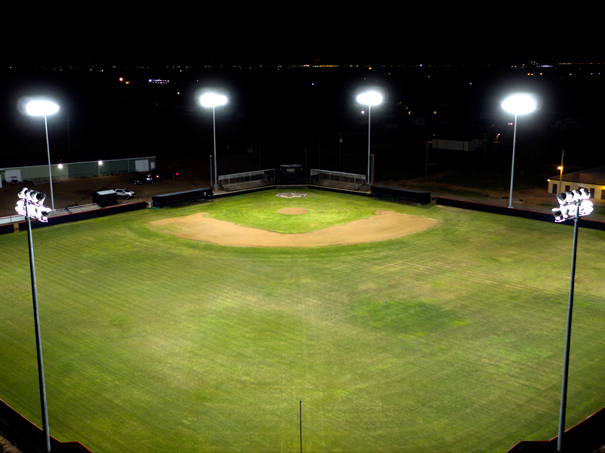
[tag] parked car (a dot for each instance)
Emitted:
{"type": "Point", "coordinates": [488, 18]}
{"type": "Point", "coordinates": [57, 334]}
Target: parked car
{"type": "Point", "coordinates": [148, 179]}
{"type": "Point", "coordinates": [156, 176]}
{"type": "Point", "coordinates": [178, 172]}
{"type": "Point", "coordinates": [128, 194]}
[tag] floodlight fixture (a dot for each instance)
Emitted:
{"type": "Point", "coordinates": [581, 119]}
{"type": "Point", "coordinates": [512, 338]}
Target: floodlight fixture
{"type": "Point", "coordinates": [41, 108]}
{"type": "Point", "coordinates": [572, 205]}
{"type": "Point", "coordinates": [518, 104]}
{"type": "Point", "coordinates": [369, 98]}
{"type": "Point", "coordinates": [213, 100]}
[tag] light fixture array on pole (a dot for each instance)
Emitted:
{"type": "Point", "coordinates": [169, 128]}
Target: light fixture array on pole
{"type": "Point", "coordinates": [44, 108]}
{"type": "Point", "coordinates": [369, 98]}
{"type": "Point", "coordinates": [518, 104]}
{"type": "Point", "coordinates": [572, 205]}
{"type": "Point", "coordinates": [31, 205]}
{"type": "Point", "coordinates": [213, 100]}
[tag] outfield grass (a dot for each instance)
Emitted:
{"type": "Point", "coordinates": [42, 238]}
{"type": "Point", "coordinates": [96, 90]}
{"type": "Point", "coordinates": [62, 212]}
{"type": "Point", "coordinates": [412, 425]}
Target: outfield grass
{"type": "Point", "coordinates": [448, 340]}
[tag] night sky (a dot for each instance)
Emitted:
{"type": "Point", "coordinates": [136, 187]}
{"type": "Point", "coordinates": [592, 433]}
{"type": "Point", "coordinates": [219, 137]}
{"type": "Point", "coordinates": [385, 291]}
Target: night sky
{"type": "Point", "coordinates": [289, 110]}
{"type": "Point", "coordinates": [371, 33]}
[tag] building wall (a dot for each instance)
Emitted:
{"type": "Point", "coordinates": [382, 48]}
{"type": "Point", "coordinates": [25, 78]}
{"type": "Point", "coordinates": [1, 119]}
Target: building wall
{"type": "Point", "coordinates": [599, 190]}
{"type": "Point", "coordinates": [81, 169]}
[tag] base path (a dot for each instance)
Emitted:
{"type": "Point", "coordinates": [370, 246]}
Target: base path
{"type": "Point", "coordinates": [384, 225]}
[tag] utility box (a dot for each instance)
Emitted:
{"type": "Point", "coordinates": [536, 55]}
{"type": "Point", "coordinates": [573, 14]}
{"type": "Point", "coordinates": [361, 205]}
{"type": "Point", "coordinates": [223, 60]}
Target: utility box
{"type": "Point", "coordinates": [105, 198]}
{"type": "Point", "coordinates": [292, 174]}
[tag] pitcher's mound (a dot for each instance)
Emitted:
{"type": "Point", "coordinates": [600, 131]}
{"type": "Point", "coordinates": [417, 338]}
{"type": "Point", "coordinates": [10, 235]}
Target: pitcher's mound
{"type": "Point", "coordinates": [292, 211]}
{"type": "Point", "coordinates": [384, 225]}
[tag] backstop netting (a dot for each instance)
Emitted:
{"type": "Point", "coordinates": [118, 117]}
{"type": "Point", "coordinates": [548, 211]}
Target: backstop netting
{"type": "Point", "coordinates": [337, 179]}
{"type": "Point", "coordinates": [246, 180]}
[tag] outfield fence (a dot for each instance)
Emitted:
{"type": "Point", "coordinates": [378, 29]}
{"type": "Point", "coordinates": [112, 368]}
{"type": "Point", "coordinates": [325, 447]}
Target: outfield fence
{"type": "Point", "coordinates": [28, 437]}
{"type": "Point", "coordinates": [12, 224]}
{"type": "Point", "coordinates": [586, 436]}
{"type": "Point", "coordinates": [526, 214]}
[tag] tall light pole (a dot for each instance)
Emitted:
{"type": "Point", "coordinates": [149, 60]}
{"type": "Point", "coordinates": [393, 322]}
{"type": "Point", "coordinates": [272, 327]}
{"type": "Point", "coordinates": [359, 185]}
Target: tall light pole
{"type": "Point", "coordinates": [572, 205]}
{"type": "Point", "coordinates": [519, 104]}
{"type": "Point", "coordinates": [561, 172]}
{"type": "Point", "coordinates": [212, 100]}
{"type": "Point", "coordinates": [369, 98]}
{"type": "Point", "coordinates": [44, 108]}
{"type": "Point", "coordinates": [31, 204]}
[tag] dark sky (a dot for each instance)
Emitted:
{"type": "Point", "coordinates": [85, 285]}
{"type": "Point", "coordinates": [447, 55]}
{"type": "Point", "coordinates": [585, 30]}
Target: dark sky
{"type": "Point", "coordinates": [291, 33]}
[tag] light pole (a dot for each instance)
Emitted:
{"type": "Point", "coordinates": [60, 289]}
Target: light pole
{"type": "Point", "coordinates": [44, 108]}
{"type": "Point", "coordinates": [518, 104]}
{"type": "Point", "coordinates": [31, 204]}
{"type": "Point", "coordinates": [561, 172]}
{"type": "Point", "coordinates": [212, 100]}
{"type": "Point", "coordinates": [369, 98]}
{"type": "Point", "coordinates": [572, 205]}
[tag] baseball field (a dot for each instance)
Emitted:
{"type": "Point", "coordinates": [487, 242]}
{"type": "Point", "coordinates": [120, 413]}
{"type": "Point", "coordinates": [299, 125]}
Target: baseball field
{"type": "Point", "coordinates": [208, 328]}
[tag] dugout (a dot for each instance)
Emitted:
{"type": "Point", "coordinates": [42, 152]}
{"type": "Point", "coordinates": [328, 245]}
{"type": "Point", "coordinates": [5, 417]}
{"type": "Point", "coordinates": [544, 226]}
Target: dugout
{"type": "Point", "coordinates": [177, 198]}
{"type": "Point", "coordinates": [401, 195]}
{"type": "Point", "coordinates": [292, 174]}
{"type": "Point", "coordinates": [105, 198]}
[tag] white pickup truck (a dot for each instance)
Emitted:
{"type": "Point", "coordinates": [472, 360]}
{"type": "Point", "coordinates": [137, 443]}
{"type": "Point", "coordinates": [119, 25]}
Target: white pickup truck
{"type": "Point", "coordinates": [128, 194]}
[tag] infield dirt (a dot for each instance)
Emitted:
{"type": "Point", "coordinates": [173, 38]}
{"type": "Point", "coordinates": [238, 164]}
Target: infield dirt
{"type": "Point", "coordinates": [383, 226]}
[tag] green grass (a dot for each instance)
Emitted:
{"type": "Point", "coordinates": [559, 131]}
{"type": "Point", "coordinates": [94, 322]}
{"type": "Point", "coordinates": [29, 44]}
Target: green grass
{"type": "Point", "coordinates": [259, 210]}
{"type": "Point", "coordinates": [446, 340]}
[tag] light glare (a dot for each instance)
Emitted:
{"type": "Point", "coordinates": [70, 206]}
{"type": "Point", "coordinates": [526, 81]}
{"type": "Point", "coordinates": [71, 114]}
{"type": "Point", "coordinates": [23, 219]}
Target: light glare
{"type": "Point", "coordinates": [519, 104]}
{"type": "Point", "coordinates": [212, 100]}
{"type": "Point", "coordinates": [370, 98]}
{"type": "Point", "coordinates": [41, 108]}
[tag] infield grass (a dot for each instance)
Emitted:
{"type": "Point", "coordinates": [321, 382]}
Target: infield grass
{"type": "Point", "coordinates": [448, 340]}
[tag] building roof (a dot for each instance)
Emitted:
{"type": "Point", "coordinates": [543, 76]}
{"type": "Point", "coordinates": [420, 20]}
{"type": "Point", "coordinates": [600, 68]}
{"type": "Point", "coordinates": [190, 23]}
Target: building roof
{"type": "Point", "coordinates": [595, 176]}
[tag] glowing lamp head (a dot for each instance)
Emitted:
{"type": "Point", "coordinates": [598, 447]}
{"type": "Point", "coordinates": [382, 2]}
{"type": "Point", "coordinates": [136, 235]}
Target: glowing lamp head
{"type": "Point", "coordinates": [519, 104]}
{"type": "Point", "coordinates": [41, 108]}
{"type": "Point", "coordinates": [370, 98]}
{"type": "Point", "coordinates": [212, 100]}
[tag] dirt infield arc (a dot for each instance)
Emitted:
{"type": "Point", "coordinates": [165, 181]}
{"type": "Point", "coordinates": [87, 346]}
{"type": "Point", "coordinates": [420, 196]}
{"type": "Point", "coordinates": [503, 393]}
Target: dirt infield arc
{"type": "Point", "coordinates": [384, 225]}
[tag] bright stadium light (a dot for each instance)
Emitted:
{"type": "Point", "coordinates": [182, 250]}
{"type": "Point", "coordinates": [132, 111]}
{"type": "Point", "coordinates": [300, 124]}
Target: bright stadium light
{"type": "Point", "coordinates": [31, 205]}
{"type": "Point", "coordinates": [41, 108]}
{"type": "Point", "coordinates": [369, 98]}
{"type": "Point", "coordinates": [44, 108]}
{"type": "Point", "coordinates": [213, 100]}
{"type": "Point", "coordinates": [572, 205]}
{"type": "Point", "coordinates": [518, 104]}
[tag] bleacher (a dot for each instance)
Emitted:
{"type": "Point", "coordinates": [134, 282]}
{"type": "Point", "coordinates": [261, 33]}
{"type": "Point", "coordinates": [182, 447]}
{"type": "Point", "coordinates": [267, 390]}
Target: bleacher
{"type": "Point", "coordinates": [338, 180]}
{"type": "Point", "coordinates": [246, 180]}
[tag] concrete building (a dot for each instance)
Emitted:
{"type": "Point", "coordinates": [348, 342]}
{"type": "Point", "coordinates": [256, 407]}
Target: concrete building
{"type": "Point", "coordinates": [592, 179]}
{"type": "Point", "coordinates": [39, 173]}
